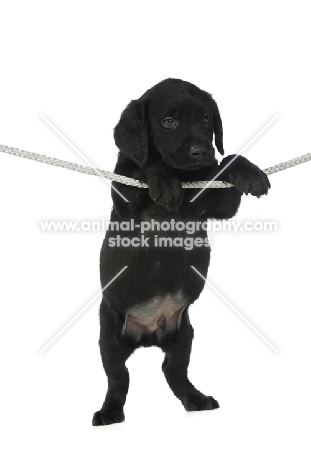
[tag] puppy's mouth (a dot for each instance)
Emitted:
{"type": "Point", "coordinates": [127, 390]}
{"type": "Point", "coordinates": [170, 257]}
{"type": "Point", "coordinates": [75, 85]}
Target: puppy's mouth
{"type": "Point", "coordinates": [189, 165]}
{"type": "Point", "coordinates": [199, 164]}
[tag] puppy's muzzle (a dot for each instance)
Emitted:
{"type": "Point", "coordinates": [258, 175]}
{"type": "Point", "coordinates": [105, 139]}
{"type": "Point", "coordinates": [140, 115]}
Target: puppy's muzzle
{"type": "Point", "coordinates": [200, 155]}
{"type": "Point", "coordinates": [197, 152]}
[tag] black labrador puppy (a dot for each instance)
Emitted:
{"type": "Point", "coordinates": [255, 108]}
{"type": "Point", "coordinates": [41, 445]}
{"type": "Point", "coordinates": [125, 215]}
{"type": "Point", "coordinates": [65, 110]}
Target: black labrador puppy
{"type": "Point", "coordinates": [164, 137]}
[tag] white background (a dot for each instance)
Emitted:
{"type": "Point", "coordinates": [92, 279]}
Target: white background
{"type": "Point", "coordinates": [79, 64]}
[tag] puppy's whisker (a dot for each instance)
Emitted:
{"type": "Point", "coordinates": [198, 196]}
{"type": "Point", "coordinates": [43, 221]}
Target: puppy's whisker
{"type": "Point", "coordinates": [237, 312]}
{"type": "Point", "coordinates": [233, 159]}
{"type": "Point", "coordinates": [82, 156]}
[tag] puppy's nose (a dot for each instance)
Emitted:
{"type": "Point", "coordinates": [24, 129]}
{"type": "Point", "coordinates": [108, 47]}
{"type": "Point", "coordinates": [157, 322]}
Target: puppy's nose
{"type": "Point", "coordinates": [197, 151]}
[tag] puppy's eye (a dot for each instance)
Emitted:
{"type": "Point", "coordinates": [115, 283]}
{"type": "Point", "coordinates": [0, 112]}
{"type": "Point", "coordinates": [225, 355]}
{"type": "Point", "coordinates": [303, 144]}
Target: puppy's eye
{"type": "Point", "coordinates": [207, 118]}
{"type": "Point", "coordinates": [168, 122]}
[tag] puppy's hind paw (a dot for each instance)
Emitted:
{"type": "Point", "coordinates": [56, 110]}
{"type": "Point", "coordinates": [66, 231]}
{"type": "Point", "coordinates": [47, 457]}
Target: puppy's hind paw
{"type": "Point", "coordinates": [199, 403]}
{"type": "Point", "coordinates": [104, 418]}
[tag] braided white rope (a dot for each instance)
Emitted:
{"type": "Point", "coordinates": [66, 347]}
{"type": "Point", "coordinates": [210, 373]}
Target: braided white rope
{"type": "Point", "coordinates": [134, 182]}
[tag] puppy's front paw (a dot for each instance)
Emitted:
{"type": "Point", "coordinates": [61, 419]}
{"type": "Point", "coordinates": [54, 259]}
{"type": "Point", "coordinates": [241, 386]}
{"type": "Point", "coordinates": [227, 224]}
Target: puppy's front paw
{"type": "Point", "coordinates": [248, 178]}
{"type": "Point", "coordinates": [166, 192]}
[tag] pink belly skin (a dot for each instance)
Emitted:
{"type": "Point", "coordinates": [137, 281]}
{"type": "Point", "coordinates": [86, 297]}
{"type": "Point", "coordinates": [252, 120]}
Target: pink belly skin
{"type": "Point", "coordinates": [160, 313]}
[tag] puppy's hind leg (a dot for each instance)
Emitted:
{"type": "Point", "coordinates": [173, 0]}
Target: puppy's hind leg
{"type": "Point", "coordinates": [175, 365]}
{"type": "Point", "coordinates": [115, 350]}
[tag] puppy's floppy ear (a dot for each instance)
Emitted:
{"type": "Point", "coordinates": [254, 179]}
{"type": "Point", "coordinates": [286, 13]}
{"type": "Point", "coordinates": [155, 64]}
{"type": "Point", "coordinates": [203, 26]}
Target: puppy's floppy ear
{"type": "Point", "coordinates": [130, 134]}
{"type": "Point", "coordinates": [217, 123]}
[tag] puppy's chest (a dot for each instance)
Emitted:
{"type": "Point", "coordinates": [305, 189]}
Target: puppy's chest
{"type": "Point", "coordinates": [159, 314]}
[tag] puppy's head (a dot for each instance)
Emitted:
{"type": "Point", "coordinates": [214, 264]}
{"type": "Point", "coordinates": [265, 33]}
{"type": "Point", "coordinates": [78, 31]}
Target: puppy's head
{"type": "Point", "coordinates": [175, 120]}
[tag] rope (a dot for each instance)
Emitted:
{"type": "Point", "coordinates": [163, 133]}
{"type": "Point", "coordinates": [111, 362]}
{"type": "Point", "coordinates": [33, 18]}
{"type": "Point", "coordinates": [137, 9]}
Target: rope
{"type": "Point", "coordinates": [137, 183]}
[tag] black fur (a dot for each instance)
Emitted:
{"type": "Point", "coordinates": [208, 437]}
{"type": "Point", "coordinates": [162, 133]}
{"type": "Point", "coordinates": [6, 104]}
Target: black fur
{"type": "Point", "coordinates": [163, 154]}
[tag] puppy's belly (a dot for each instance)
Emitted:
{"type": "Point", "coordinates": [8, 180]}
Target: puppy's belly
{"type": "Point", "coordinates": [160, 314]}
